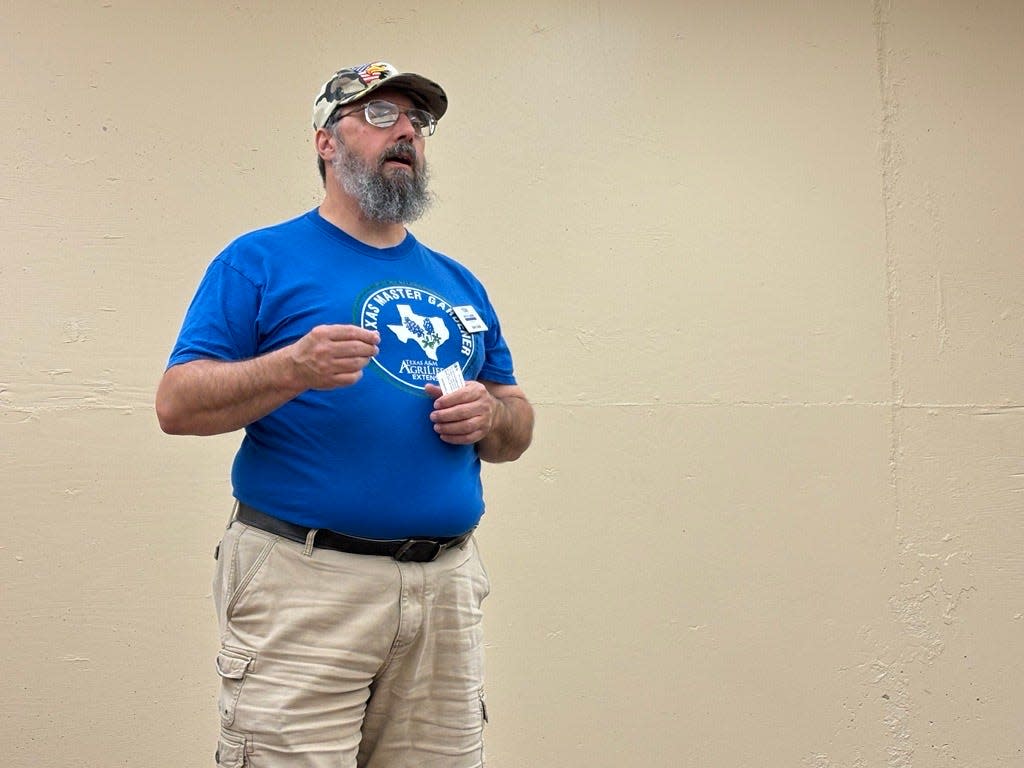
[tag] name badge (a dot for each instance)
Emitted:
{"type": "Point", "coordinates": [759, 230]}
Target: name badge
{"type": "Point", "coordinates": [470, 319]}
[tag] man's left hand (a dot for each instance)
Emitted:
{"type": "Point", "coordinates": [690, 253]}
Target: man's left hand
{"type": "Point", "coordinates": [465, 416]}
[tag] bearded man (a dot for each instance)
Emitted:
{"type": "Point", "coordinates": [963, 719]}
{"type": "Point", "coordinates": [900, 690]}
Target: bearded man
{"type": "Point", "coordinates": [348, 585]}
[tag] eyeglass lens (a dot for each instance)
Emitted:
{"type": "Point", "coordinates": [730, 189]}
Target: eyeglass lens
{"type": "Point", "coordinates": [384, 114]}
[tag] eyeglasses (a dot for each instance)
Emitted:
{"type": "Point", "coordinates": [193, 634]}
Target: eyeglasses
{"type": "Point", "coordinates": [384, 114]}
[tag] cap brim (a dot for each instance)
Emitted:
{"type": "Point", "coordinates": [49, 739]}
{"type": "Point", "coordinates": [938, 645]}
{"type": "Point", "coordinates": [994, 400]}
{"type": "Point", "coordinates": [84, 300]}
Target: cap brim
{"type": "Point", "coordinates": [430, 94]}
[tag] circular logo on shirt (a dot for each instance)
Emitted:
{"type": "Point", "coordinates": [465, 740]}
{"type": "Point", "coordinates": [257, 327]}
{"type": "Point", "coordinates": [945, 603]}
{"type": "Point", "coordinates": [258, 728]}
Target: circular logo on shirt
{"type": "Point", "coordinates": [420, 334]}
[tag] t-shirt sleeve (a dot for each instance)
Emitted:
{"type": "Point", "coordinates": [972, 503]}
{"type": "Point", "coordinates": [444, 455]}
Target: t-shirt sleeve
{"type": "Point", "coordinates": [497, 365]}
{"type": "Point", "coordinates": [222, 321]}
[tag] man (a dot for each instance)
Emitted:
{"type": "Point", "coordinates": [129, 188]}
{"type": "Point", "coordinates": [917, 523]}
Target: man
{"type": "Point", "coordinates": [348, 585]}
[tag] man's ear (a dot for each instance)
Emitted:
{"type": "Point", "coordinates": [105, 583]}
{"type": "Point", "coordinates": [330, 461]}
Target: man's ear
{"type": "Point", "coordinates": [326, 144]}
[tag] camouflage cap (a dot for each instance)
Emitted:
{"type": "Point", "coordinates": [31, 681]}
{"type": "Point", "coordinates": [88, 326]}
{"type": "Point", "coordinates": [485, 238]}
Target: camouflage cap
{"type": "Point", "coordinates": [354, 83]}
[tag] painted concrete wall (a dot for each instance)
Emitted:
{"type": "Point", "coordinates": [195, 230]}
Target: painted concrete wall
{"type": "Point", "coordinates": [760, 265]}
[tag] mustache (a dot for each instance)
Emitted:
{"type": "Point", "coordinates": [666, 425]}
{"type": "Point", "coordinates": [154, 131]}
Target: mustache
{"type": "Point", "coordinates": [403, 152]}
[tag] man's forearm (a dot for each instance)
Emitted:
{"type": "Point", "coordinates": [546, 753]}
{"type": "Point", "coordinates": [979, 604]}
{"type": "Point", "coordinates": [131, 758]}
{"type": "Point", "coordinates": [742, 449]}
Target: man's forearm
{"type": "Point", "coordinates": [511, 433]}
{"type": "Point", "coordinates": [210, 397]}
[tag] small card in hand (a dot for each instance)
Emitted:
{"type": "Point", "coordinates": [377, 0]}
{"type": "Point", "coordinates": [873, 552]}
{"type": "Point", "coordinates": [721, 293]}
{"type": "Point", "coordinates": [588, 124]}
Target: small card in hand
{"type": "Point", "coordinates": [449, 379]}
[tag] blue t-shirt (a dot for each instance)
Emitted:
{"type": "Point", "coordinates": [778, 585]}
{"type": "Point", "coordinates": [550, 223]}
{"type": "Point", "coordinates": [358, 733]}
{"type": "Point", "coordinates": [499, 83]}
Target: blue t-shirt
{"type": "Point", "coordinates": [365, 459]}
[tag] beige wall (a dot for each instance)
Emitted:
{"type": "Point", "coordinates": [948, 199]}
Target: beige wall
{"type": "Point", "coordinates": [760, 264]}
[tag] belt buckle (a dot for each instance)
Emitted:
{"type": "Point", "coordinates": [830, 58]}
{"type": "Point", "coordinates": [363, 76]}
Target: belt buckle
{"type": "Point", "coordinates": [418, 551]}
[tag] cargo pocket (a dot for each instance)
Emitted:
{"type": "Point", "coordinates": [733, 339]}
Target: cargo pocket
{"type": "Point", "coordinates": [230, 752]}
{"type": "Point", "coordinates": [232, 666]}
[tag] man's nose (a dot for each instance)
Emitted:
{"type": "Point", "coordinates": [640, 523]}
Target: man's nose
{"type": "Point", "coordinates": [405, 127]}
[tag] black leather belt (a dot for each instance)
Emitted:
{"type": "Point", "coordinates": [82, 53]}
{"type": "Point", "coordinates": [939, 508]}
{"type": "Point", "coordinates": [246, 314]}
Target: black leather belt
{"type": "Point", "coordinates": [404, 550]}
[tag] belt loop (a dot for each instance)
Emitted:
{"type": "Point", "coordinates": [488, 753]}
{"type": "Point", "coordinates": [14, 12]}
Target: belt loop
{"type": "Point", "coordinates": [308, 551]}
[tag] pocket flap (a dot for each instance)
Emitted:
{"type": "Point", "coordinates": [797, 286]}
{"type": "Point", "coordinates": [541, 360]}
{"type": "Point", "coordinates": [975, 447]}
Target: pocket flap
{"type": "Point", "coordinates": [232, 666]}
{"type": "Point", "coordinates": [230, 754]}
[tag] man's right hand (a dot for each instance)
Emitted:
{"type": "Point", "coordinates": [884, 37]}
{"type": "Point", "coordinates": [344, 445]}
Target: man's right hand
{"type": "Point", "coordinates": [332, 356]}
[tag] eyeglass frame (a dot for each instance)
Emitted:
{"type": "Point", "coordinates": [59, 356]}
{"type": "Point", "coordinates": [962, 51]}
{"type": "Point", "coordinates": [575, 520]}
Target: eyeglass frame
{"type": "Point", "coordinates": [431, 121]}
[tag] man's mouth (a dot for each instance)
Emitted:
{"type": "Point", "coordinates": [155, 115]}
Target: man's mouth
{"type": "Point", "coordinates": [401, 157]}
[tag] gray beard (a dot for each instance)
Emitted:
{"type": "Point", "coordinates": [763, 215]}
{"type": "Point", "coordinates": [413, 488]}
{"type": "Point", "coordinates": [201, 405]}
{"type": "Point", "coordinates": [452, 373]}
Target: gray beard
{"type": "Point", "coordinates": [389, 198]}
